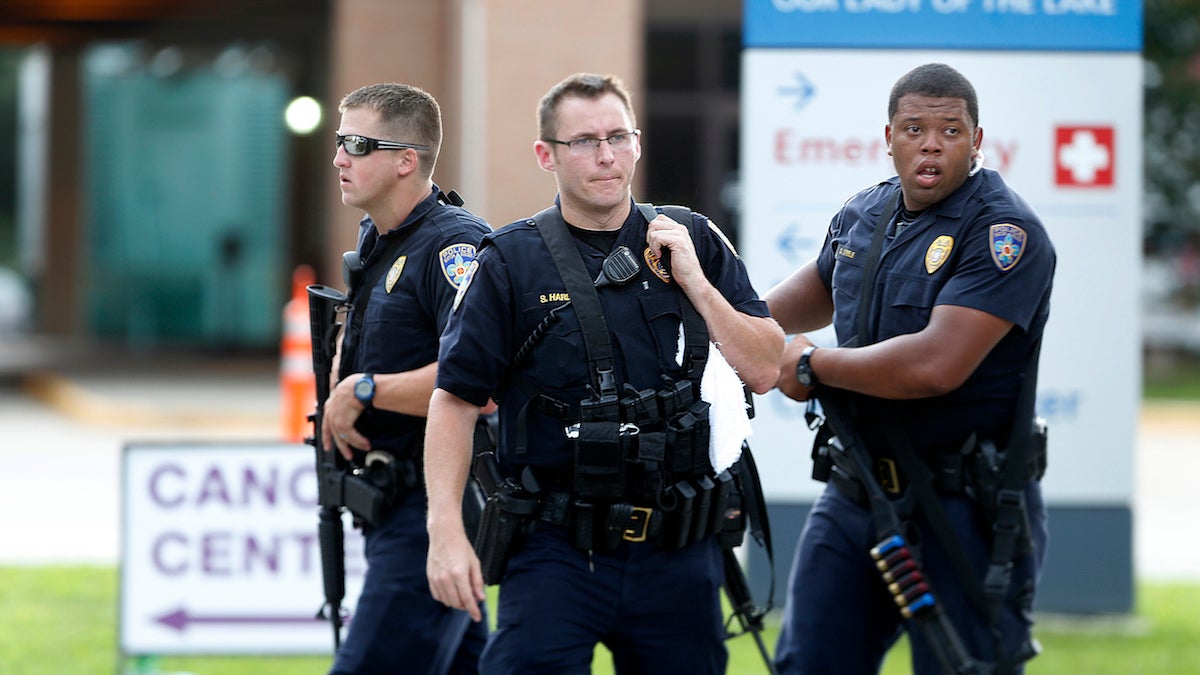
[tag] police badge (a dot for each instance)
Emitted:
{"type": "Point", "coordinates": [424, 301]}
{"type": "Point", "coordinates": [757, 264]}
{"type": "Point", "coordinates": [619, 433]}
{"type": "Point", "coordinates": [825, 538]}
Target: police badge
{"type": "Point", "coordinates": [655, 264]}
{"type": "Point", "coordinates": [938, 252]}
{"type": "Point", "coordinates": [394, 273]}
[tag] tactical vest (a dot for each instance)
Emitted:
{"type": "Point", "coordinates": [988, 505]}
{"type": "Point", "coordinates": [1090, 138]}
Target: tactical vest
{"type": "Point", "coordinates": [650, 447]}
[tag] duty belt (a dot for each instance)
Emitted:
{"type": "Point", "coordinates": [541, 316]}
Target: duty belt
{"type": "Point", "coordinates": [599, 525]}
{"type": "Point", "coordinates": [949, 470]}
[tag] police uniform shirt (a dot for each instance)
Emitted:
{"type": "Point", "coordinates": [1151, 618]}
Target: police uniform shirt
{"type": "Point", "coordinates": [515, 286]}
{"type": "Point", "coordinates": [982, 247]}
{"type": "Point", "coordinates": [410, 302]}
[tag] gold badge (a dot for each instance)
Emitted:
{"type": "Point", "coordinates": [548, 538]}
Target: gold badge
{"type": "Point", "coordinates": [938, 251]}
{"type": "Point", "coordinates": [656, 266]}
{"type": "Point", "coordinates": [393, 274]}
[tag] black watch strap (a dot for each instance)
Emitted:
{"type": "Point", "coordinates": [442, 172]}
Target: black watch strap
{"type": "Point", "coordinates": [804, 371]}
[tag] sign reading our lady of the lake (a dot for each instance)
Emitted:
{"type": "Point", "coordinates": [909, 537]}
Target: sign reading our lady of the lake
{"type": "Point", "coordinates": [220, 553]}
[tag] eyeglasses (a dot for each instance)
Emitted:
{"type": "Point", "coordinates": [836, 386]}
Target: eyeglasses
{"type": "Point", "coordinates": [618, 142]}
{"type": "Point", "coordinates": [363, 145]}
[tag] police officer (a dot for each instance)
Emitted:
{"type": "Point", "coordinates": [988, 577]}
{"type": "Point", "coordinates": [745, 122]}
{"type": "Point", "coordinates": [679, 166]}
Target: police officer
{"type": "Point", "coordinates": [516, 331]}
{"type": "Point", "coordinates": [414, 248]}
{"type": "Point", "coordinates": [953, 319]}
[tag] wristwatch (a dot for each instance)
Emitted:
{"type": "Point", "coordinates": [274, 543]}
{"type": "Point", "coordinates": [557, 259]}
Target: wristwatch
{"type": "Point", "coordinates": [804, 371]}
{"type": "Point", "coordinates": [364, 390]}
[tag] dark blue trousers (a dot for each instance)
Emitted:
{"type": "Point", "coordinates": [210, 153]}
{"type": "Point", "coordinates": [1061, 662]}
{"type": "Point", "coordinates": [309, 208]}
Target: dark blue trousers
{"type": "Point", "coordinates": [839, 617]}
{"type": "Point", "coordinates": [397, 626]}
{"type": "Point", "coordinates": [657, 611]}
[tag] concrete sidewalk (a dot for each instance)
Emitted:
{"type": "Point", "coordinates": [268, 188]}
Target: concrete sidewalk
{"type": "Point", "coordinates": [65, 429]}
{"type": "Point", "coordinates": [1166, 508]}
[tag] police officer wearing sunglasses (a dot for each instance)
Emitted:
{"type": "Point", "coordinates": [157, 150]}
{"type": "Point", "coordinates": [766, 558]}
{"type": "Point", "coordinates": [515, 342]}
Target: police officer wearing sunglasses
{"type": "Point", "coordinates": [414, 247]}
{"type": "Point", "coordinates": [605, 561]}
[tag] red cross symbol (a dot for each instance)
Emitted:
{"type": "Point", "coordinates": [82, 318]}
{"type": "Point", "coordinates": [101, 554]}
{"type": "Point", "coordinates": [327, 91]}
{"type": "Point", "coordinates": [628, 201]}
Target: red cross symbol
{"type": "Point", "coordinates": [1084, 156]}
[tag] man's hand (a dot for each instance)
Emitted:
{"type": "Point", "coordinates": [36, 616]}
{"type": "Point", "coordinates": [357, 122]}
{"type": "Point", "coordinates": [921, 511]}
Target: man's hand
{"type": "Point", "coordinates": [666, 235]}
{"type": "Point", "coordinates": [787, 383]}
{"type": "Point", "coordinates": [455, 578]}
{"type": "Point", "coordinates": [453, 570]}
{"type": "Point", "coordinates": [342, 409]}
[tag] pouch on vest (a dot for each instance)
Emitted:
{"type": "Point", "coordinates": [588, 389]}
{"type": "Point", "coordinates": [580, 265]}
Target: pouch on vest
{"type": "Point", "coordinates": [677, 522]}
{"type": "Point", "coordinates": [687, 441]}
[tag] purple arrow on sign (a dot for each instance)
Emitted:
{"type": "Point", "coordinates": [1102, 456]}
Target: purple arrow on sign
{"type": "Point", "coordinates": [180, 619]}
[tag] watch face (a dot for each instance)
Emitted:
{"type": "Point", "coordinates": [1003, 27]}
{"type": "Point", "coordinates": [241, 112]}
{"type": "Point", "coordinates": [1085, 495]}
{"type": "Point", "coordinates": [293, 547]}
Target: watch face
{"type": "Point", "coordinates": [804, 377]}
{"type": "Point", "coordinates": [364, 390]}
{"type": "Point", "coordinates": [804, 373]}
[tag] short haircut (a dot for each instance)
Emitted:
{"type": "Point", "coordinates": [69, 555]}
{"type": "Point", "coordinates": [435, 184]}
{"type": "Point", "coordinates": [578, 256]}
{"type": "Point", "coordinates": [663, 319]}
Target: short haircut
{"type": "Point", "coordinates": [937, 80]}
{"type": "Point", "coordinates": [409, 114]}
{"type": "Point", "coordinates": [581, 85]}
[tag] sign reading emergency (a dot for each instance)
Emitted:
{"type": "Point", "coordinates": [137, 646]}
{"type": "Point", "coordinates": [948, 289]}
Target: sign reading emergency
{"type": "Point", "coordinates": [219, 551]}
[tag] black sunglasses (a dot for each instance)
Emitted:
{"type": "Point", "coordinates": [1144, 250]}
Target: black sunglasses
{"type": "Point", "coordinates": [363, 145]}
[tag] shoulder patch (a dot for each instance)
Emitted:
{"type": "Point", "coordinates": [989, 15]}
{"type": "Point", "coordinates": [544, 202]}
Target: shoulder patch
{"type": "Point", "coordinates": [464, 284]}
{"type": "Point", "coordinates": [455, 259]}
{"type": "Point", "coordinates": [1007, 243]}
{"type": "Point", "coordinates": [938, 251]}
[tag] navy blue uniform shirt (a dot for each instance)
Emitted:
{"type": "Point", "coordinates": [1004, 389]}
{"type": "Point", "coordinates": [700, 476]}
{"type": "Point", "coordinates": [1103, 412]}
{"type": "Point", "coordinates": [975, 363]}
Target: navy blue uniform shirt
{"type": "Point", "coordinates": [515, 286]}
{"type": "Point", "coordinates": [409, 303]}
{"type": "Point", "coordinates": [982, 247]}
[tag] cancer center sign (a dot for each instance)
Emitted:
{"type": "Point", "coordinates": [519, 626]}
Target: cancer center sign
{"type": "Point", "coordinates": [220, 553]}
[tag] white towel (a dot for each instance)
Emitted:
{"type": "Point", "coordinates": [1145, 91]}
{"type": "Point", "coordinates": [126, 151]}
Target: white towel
{"type": "Point", "coordinates": [728, 423]}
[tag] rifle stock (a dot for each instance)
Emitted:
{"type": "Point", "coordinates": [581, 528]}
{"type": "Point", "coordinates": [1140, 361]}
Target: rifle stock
{"type": "Point", "coordinates": [323, 306]}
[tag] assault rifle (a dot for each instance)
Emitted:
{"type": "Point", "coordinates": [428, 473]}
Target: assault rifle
{"type": "Point", "coordinates": [746, 511]}
{"type": "Point", "coordinates": [900, 569]}
{"type": "Point", "coordinates": [324, 303]}
{"type": "Point", "coordinates": [749, 615]}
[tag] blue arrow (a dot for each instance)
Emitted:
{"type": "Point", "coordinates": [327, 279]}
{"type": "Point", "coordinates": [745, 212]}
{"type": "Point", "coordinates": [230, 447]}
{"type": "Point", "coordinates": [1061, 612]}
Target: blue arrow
{"type": "Point", "coordinates": [803, 90]}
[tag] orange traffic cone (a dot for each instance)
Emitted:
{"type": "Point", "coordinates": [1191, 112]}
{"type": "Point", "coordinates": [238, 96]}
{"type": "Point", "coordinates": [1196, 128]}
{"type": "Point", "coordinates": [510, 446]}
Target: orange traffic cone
{"type": "Point", "coordinates": [297, 385]}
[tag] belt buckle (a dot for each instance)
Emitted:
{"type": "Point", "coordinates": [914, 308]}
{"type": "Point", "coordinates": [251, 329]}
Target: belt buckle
{"type": "Point", "coordinates": [889, 479]}
{"type": "Point", "coordinates": [639, 516]}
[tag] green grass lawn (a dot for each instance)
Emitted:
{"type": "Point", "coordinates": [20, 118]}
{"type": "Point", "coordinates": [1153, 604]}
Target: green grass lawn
{"type": "Point", "coordinates": [1176, 377]}
{"type": "Point", "coordinates": [63, 621]}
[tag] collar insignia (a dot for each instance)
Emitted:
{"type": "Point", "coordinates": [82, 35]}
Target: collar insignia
{"type": "Point", "coordinates": [455, 260]}
{"type": "Point", "coordinates": [1008, 243]}
{"type": "Point", "coordinates": [656, 266]}
{"type": "Point", "coordinates": [938, 252]}
{"type": "Point", "coordinates": [393, 274]}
